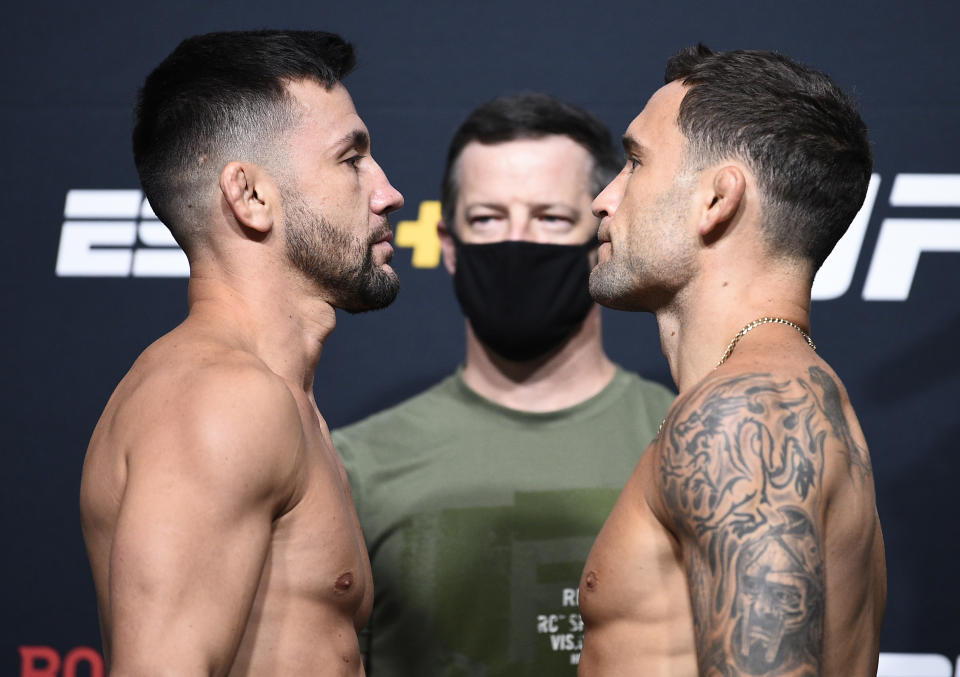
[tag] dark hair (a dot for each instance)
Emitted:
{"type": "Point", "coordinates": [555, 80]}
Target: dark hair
{"type": "Point", "coordinates": [798, 132]}
{"type": "Point", "coordinates": [529, 116]}
{"type": "Point", "coordinates": [217, 98]}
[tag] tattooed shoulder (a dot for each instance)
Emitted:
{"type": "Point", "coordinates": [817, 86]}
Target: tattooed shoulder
{"type": "Point", "coordinates": [741, 465]}
{"type": "Point", "coordinates": [831, 404]}
{"type": "Point", "coordinates": [753, 437]}
{"type": "Point", "coordinates": [737, 440]}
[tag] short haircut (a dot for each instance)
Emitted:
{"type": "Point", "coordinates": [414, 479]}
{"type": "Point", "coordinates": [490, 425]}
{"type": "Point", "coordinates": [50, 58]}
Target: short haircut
{"type": "Point", "coordinates": [218, 98]}
{"type": "Point", "coordinates": [529, 116]}
{"type": "Point", "coordinates": [796, 130]}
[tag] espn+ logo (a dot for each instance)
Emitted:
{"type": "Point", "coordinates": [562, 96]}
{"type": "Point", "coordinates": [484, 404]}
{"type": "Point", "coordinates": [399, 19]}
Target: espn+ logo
{"type": "Point", "coordinates": [114, 233]}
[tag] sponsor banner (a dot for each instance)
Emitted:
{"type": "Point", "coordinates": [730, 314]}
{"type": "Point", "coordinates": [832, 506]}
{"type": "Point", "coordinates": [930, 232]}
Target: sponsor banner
{"type": "Point", "coordinates": [45, 661]}
{"type": "Point", "coordinates": [115, 233]}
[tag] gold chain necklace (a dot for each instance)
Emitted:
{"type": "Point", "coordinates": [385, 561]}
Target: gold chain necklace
{"type": "Point", "coordinates": [756, 323]}
{"type": "Point", "coordinates": [743, 332]}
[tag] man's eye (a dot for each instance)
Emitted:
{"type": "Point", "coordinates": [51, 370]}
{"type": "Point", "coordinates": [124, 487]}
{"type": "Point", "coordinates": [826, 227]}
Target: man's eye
{"type": "Point", "coordinates": [555, 219]}
{"type": "Point", "coordinates": [481, 220]}
{"type": "Point", "coordinates": [633, 163]}
{"type": "Point", "coordinates": [354, 161]}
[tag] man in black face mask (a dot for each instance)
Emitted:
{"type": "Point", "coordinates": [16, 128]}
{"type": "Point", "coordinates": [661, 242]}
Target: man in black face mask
{"type": "Point", "coordinates": [480, 498]}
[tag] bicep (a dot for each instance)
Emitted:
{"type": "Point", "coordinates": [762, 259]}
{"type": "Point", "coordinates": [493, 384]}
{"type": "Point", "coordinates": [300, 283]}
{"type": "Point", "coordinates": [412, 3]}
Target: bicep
{"type": "Point", "coordinates": [758, 598]}
{"type": "Point", "coordinates": [184, 568]}
{"type": "Point", "coordinates": [193, 534]}
{"type": "Point", "coordinates": [742, 495]}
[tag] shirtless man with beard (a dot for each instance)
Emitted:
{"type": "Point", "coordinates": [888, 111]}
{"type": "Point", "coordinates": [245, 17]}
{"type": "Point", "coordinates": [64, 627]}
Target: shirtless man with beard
{"type": "Point", "coordinates": [746, 541]}
{"type": "Point", "coordinates": [217, 516]}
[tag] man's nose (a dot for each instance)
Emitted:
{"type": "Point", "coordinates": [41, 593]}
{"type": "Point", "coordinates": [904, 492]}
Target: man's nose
{"type": "Point", "coordinates": [606, 203]}
{"type": "Point", "coordinates": [518, 229]}
{"type": "Point", "coordinates": [385, 198]}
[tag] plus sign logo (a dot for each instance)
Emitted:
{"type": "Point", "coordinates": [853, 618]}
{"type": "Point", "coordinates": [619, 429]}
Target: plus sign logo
{"type": "Point", "coordinates": [421, 235]}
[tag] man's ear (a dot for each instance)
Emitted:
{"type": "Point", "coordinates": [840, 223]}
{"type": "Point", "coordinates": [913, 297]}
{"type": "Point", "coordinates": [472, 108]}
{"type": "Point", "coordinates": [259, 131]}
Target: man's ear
{"type": "Point", "coordinates": [447, 248]}
{"type": "Point", "coordinates": [250, 195]}
{"type": "Point", "coordinates": [722, 200]}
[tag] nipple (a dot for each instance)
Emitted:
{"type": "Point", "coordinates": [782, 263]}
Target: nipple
{"type": "Point", "coordinates": [343, 583]}
{"type": "Point", "coordinates": [591, 580]}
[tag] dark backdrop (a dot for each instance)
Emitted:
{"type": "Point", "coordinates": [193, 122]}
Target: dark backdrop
{"type": "Point", "coordinates": [70, 72]}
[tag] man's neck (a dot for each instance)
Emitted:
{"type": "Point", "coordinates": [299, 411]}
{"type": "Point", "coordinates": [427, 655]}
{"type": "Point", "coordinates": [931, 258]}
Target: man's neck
{"type": "Point", "coordinates": [575, 372]}
{"type": "Point", "coordinates": [696, 329]}
{"type": "Point", "coordinates": [283, 325]}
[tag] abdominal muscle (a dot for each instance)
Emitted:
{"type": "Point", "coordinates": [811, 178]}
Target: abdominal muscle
{"type": "Point", "coordinates": [634, 597]}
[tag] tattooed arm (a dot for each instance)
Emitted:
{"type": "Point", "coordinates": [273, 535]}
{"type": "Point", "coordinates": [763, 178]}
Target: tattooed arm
{"type": "Point", "coordinates": [741, 466]}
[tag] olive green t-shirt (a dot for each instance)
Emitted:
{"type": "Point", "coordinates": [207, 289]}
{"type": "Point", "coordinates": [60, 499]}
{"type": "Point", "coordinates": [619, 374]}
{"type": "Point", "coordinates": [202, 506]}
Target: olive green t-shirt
{"type": "Point", "coordinates": [479, 518]}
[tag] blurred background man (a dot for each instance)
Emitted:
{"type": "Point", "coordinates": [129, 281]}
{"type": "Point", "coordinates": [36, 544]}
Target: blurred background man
{"type": "Point", "coordinates": [480, 497]}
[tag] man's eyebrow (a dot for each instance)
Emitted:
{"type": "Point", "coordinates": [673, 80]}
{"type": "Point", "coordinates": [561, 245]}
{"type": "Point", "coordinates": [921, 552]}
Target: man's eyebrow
{"type": "Point", "coordinates": [546, 206]}
{"type": "Point", "coordinates": [486, 205]}
{"type": "Point", "coordinates": [632, 147]}
{"type": "Point", "coordinates": [357, 139]}
{"type": "Point", "coordinates": [534, 206]}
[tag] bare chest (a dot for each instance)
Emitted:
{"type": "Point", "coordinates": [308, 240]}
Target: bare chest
{"type": "Point", "coordinates": [634, 593]}
{"type": "Point", "coordinates": [317, 554]}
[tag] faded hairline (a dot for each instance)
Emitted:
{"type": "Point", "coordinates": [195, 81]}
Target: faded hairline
{"type": "Point", "coordinates": [261, 138]}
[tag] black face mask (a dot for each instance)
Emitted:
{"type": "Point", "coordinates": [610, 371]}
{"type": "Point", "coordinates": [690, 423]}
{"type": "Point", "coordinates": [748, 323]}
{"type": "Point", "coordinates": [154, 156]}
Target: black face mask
{"type": "Point", "coordinates": [523, 298]}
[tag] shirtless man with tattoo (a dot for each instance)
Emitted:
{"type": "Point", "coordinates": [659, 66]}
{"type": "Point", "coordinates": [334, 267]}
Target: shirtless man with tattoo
{"type": "Point", "coordinates": [746, 542]}
{"type": "Point", "coordinates": [217, 516]}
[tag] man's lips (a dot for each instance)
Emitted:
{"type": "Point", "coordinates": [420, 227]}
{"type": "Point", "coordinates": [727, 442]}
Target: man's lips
{"type": "Point", "coordinates": [382, 236]}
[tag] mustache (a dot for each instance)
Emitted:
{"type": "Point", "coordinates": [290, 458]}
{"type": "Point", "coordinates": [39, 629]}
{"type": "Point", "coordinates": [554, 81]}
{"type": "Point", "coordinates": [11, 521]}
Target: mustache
{"type": "Point", "coordinates": [383, 230]}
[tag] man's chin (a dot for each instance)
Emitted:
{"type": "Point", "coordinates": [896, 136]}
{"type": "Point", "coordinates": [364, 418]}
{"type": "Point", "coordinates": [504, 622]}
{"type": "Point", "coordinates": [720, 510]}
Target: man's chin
{"type": "Point", "coordinates": [604, 291]}
{"type": "Point", "coordinates": [379, 292]}
{"type": "Point", "coordinates": [609, 294]}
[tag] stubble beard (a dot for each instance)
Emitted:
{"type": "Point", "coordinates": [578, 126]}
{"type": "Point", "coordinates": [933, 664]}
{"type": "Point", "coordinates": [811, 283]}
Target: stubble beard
{"type": "Point", "coordinates": [648, 281]}
{"type": "Point", "coordinates": [339, 264]}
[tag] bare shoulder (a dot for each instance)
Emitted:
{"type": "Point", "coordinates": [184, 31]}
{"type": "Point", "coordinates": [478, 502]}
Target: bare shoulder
{"type": "Point", "coordinates": [211, 408]}
{"type": "Point", "coordinates": [200, 451]}
{"type": "Point", "coordinates": [780, 426]}
{"type": "Point", "coordinates": [746, 467]}
{"type": "Point", "coordinates": [845, 438]}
